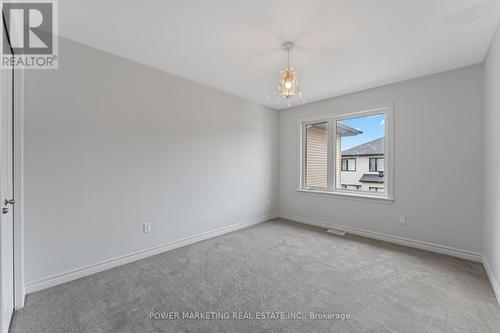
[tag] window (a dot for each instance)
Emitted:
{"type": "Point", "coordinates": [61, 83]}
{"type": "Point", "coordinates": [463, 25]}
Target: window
{"type": "Point", "coordinates": [348, 164]}
{"type": "Point", "coordinates": [340, 154]}
{"type": "Point", "coordinates": [376, 164]}
{"type": "Point", "coordinates": [351, 187]}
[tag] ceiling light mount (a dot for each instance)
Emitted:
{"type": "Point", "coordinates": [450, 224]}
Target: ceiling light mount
{"type": "Point", "coordinates": [287, 46]}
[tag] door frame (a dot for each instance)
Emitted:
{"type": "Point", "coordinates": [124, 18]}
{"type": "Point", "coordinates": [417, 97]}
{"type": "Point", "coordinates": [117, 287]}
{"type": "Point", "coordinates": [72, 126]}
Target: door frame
{"type": "Point", "coordinates": [18, 156]}
{"type": "Point", "coordinates": [19, 285]}
{"type": "Point", "coordinates": [18, 181]}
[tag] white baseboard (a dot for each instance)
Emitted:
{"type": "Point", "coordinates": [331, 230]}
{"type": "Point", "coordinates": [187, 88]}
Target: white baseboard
{"type": "Point", "coordinates": [107, 264]}
{"type": "Point", "coordinates": [494, 282]}
{"type": "Point", "coordinates": [432, 247]}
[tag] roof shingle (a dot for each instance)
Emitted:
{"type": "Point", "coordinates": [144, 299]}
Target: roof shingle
{"type": "Point", "coordinates": [372, 178]}
{"type": "Point", "coordinates": [375, 147]}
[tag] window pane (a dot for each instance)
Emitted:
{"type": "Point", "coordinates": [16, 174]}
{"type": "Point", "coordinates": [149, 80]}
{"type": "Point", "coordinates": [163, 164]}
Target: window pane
{"type": "Point", "coordinates": [380, 164]}
{"type": "Point", "coordinates": [360, 140]}
{"type": "Point", "coordinates": [344, 164]}
{"type": "Point", "coordinates": [316, 155]}
{"type": "Point", "coordinates": [351, 165]}
{"type": "Point", "coordinates": [373, 164]}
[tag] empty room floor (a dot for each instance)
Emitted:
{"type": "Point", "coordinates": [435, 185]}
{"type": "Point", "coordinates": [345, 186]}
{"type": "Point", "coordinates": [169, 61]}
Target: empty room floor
{"type": "Point", "coordinates": [277, 266]}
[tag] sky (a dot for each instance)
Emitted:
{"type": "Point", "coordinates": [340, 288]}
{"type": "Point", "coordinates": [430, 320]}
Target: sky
{"type": "Point", "coordinates": [372, 127]}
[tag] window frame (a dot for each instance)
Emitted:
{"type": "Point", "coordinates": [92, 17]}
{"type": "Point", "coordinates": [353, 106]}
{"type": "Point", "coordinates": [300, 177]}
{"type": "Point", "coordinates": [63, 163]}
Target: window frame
{"type": "Point", "coordinates": [347, 159]}
{"type": "Point", "coordinates": [376, 164]}
{"type": "Point", "coordinates": [331, 120]}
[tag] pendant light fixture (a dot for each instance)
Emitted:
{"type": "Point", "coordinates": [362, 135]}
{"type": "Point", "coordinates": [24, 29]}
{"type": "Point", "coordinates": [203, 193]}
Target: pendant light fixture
{"type": "Point", "coordinates": [288, 88]}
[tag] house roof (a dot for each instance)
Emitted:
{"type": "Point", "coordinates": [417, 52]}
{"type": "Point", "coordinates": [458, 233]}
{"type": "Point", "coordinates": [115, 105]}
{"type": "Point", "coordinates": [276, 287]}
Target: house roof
{"type": "Point", "coordinates": [345, 130]}
{"type": "Point", "coordinates": [342, 129]}
{"type": "Point", "coordinates": [375, 147]}
{"type": "Point", "coordinates": [372, 178]}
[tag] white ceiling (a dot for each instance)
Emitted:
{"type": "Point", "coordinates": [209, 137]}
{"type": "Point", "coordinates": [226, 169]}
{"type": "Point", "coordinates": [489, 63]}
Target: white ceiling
{"type": "Point", "coordinates": [342, 46]}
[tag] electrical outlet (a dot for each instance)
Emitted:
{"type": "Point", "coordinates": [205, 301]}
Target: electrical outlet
{"type": "Point", "coordinates": [402, 220]}
{"type": "Point", "coordinates": [146, 227]}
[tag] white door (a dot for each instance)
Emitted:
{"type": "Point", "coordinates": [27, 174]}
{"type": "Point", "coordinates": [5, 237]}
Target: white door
{"type": "Point", "coordinates": [6, 200]}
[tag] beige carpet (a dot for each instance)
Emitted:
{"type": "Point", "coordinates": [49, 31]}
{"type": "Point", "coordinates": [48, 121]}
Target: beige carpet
{"type": "Point", "coordinates": [279, 277]}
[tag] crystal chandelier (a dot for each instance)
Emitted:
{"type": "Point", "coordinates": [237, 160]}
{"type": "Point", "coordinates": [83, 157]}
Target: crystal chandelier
{"type": "Point", "coordinates": [288, 88]}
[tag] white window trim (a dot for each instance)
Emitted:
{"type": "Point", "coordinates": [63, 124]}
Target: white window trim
{"type": "Point", "coordinates": [388, 195]}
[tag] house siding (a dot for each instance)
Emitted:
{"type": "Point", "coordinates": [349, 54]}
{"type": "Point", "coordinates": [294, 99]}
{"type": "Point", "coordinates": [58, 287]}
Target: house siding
{"type": "Point", "coordinates": [316, 157]}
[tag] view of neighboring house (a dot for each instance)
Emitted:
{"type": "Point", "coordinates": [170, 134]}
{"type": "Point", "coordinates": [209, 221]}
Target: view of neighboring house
{"type": "Point", "coordinates": [358, 168]}
{"type": "Point", "coordinates": [362, 167]}
{"type": "Point", "coordinates": [317, 147]}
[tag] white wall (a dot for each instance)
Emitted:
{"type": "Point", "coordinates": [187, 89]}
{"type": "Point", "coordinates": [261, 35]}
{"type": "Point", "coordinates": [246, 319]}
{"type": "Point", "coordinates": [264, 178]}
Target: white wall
{"type": "Point", "coordinates": [492, 162]}
{"type": "Point", "coordinates": [110, 144]}
{"type": "Point", "coordinates": [438, 162]}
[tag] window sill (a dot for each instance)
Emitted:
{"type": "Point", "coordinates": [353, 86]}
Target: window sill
{"type": "Point", "coordinates": [347, 195]}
